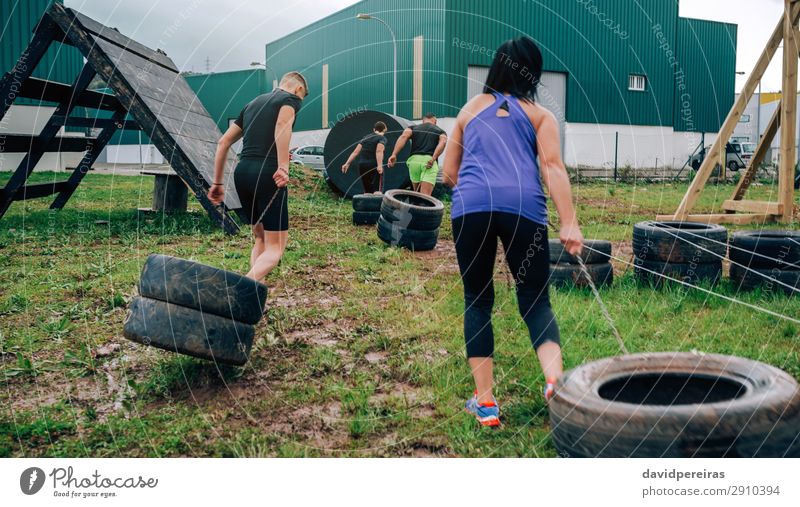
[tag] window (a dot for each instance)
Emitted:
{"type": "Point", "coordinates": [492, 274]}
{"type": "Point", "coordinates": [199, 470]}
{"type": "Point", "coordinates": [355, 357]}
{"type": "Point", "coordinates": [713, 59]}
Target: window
{"type": "Point", "coordinates": [745, 118]}
{"type": "Point", "coordinates": [637, 82]}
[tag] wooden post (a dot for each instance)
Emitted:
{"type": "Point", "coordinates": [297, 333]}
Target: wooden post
{"type": "Point", "coordinates": [758, 156]}
{"type": "Point", "coordinates": [788, 116]}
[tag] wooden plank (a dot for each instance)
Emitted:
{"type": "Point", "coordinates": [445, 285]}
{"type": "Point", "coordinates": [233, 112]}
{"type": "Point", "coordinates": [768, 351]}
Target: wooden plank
{"type": "Point", "coordinates": [47, 134]}
{"type": "Point", "coordinates": [764, 207]}
{"type": "Point", "coordinates": [722, 218]}
{"type": "Point", "coordinates": [788, 157]}
{"type": "Point", "coordinates": [100, 123]}
{"type": "Point", "coordinates": [24, 144]}
{"type": "Point", "coordinates": [68, 19]}
{"type": "Point", "coordinates": [52, 91]}
{"type": "Point", "coordinates": [13, 80]}
{"type": "Point", "coordinates": [758, 156]}
{"type": "Point", "coordinates": [701, 178]}
{"type": "Point", "coordinates": [38, 190]}
{"type": "Point", "coordinates": [90, 156]}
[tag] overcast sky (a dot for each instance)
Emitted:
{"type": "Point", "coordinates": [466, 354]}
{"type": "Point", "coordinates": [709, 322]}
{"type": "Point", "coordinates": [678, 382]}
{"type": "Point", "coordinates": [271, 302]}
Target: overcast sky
{"type": "Point", "coordinates": [230, 34]}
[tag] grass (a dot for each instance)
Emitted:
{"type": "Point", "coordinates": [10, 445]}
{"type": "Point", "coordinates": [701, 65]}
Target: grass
{"type": "Point", "coordinates": [362, 353]}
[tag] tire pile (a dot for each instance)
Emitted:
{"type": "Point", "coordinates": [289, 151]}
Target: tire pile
{"type": "Point", "coordinates": [410, 220]}
{"type": "Point", "coordinates": [766, 259]}
{"type": "Point", "coordinates": [565, 269]}
{"type": "Point", "coordinates": [687, 251]}
{"type": "Point", "coordinates": [366, 209]}
{"type": "Point", "coordinates": [196, 310]}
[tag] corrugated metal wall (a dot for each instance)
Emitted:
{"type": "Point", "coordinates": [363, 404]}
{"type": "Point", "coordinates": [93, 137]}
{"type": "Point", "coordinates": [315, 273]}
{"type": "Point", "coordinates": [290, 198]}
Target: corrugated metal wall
{"type": "Point", "coordinates": [359, 58]}
{"type": "Point", "coordinates": [19, 17]}
{"type": "Point", "coordinates": [707, 56]}
{"type": "Point", "coordinates": [224, 94]}
{"type": "Point", "coordinates": [597, 43]}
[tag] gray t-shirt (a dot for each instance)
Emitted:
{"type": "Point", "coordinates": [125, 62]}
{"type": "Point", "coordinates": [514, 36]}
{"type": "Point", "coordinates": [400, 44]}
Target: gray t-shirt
{"type": "Point", "coordinates": [257, 120]}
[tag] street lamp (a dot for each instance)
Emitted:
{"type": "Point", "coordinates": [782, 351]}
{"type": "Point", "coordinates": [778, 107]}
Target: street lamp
{"type": "Point", "coordinates": [267, 67]}
{"type": "Point", "coordinates": [366, 17]}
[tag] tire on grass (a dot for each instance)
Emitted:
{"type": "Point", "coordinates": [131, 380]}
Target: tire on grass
{"type": "Point", "coordinates": [681, 242]}
{"type": "Point", "coordinates": [595, 251]}
{"type": "Point", "coordinates": [770, 279]}
{"type": "Point", "coordinates": [571, 275]}
{"type": "Point", "coordinates": [412, 210]}
{"type": "Point", "coordinates": [367, 202]}
{"type": "Point", "coordinates": [694, 273]}
{"type": "Point", "coordinates": [395, 235]}
{"type": "Point", "coordinates": [766, 249]}
{"type": "Point", "coordinates": [676, 404]}
{"type": "Point", "coordinates": [187, 331]}
{"type": "Point", "coordinates": [203, 288]}
{"type": "Point", "coordinates": [366, 217]}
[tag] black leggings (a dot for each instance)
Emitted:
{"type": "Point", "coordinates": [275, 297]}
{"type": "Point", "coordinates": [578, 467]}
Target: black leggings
{"type": "Point", "coordinates": [528, 257]}
{"type": "Point", "coordinates": [369, 177]}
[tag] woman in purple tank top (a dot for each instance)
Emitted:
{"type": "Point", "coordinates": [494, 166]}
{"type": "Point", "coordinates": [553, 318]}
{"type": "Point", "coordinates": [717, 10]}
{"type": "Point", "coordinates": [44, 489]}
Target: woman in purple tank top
{"type": "Point", "coordinates": [504, 148]}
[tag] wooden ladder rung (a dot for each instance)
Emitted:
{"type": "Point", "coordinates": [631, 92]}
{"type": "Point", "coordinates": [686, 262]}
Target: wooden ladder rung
{"type": "Point", "coordinates": [765, 207]}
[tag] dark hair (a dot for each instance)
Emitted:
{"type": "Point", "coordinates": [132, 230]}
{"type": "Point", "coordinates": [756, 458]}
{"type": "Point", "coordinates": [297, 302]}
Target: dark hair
{"type": "Point", "coordinates": [380, 126]}
{"type": "Point", "coordinates": [516, 69]}
{"type": "Point", "coordinates": [429, 116]}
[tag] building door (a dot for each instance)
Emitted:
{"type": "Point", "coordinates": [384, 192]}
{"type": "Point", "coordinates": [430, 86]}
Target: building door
{"type": "Point", "coordinates": [552, 92]}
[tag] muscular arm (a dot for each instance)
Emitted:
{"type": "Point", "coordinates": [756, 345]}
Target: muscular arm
{"type": "Point", "coordinates": [283, 134]}
{"type": "Point", "coordinates": [354, 154]}
{"type": "Point", "coordinates": [379, 152]}
{"type": "Point", "coordinates": [233, 134]}
{"type": "Point", "coordinates": [439, 149]}
{"type": "Point", "coordinates": [400, 144]}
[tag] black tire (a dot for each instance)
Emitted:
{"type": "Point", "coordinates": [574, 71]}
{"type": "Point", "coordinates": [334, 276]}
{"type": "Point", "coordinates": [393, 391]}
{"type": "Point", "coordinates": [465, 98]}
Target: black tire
{"type": "Point", "coordinates": [367, 202]}
{"type": "Point", "coordinates": [733, 166]}
{"type": "Point", "coordinates": [395, 235]}
{"type": "Point", "coordinates": [595, 251]}
{"type": "Point", "coordinates": [694, 273]}
{"type": "Point", "coordinates": [203, 288]}
{"type": "Point", "coordinates": [769, 279]}
{"type": "Point", "coordinates": [366, 217]}
{"type": "Point", "coordinates": [676, 405]}
{"type": "Point", "coordinates": [766, 249]}
{"type": "Point", "coordinates": [412, 210]}
{"type": "Point", "coordinates": [682, 242]}
{"type": "Point", "coordinates": [695, 165]}
{"type": "Point", "coordinates": [571, 275]}
{"type": "Point", "coordinates": [187, 331]}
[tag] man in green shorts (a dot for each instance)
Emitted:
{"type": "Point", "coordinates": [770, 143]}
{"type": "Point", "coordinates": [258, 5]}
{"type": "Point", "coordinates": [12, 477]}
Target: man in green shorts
{"type": "Point", "coordinates": [428, 142]}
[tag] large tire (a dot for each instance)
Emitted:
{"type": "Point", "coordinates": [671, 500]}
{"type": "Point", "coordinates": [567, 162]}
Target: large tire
{"type": "Point", "coordinates": [187, 331]}
{"type": "Point", "coordinates": [367, 202]}
{"type": "Point", "coordinates": [648, 271]}
{"type": "Point", "coordinates": [595, 251]}
{"type": "Point", "coordinates": [395, 235]}
{"type": "Point", "coordinates": [366, 217]}
{"type": "Point", "coordinates": [681, 242]}
{"type": "Point", "coordinates": [571, 275]}
{"type": "Point", "coordinates": [770, 279]}
{"type": "Point", "coordinates": [766, 249]}
{"type": "Point", "coordinates": [676, 405]}
{"type": "Point", "coordinates": [203, 288]}
{"type": "Point", "coordinates": [412, 210]}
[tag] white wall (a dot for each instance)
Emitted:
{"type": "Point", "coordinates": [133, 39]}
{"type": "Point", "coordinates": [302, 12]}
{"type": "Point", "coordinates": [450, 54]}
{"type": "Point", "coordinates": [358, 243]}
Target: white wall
{"type": "Point", "coordinates": [30, 120]}
{"type": "Point", "coordinates": [131, 154]}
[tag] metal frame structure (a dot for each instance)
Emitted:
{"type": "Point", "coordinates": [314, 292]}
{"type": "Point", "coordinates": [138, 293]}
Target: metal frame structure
{"type": "Point", "coordinates": [149, 94]}
{"type": "Point", "coordinates": [737, 209]}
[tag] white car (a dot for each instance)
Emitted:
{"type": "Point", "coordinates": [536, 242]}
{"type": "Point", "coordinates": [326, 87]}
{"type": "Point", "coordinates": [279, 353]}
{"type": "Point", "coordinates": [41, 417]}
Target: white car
{"type": "Point", "coordinates": [311, 156]}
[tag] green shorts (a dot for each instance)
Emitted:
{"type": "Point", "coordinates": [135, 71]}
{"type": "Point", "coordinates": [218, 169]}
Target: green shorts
{"type": "Point", "coordinates": [419, 173]}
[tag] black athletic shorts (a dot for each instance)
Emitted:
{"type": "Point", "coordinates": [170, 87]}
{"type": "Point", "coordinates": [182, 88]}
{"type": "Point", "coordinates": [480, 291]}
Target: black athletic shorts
{"type": "Point", "coordinates": [256, 189]}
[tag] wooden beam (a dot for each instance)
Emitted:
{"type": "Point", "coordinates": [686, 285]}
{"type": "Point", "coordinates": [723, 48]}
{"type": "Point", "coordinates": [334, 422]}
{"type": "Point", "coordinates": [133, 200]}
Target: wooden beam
{"type": "Point", "coordinates": [27, 144]}
{"type": "Point", "coordinates": [53, 91]}
{"type": "Point", "coordinates": [37, 190]}
{"type": "Point", "coordinates": [758, 156]}
{"type": "Point", "coordinates": [723, 218]}
{"type": "Point", "coordinates": [701, 178]}
{"type": "Point", "coordinates": [764, 207]}
{"type": "Point", "coordinates": [788, 116]}
{"type": "Point", "coordinates": [100, 123]}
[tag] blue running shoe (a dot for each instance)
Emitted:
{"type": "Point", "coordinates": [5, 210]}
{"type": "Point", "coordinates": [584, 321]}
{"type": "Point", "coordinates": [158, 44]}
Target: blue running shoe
{"type": "Point", "coordinates": [487, 414]}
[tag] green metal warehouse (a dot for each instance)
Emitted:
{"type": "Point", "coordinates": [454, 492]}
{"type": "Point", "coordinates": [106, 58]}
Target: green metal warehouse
{"type": "Point", "coordinates": [625, 76]}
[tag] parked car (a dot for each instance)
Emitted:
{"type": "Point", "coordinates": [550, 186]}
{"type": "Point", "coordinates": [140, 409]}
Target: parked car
{"type": "Point", "coordinates": [311, 156]}
{"type": "Point", "coordinates": [737, 156]}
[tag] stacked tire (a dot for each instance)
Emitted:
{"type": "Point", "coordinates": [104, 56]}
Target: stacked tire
{"type": "Point", "coordinates": [766, 259]}
{"type": "Point", "coordinates": [366, 209]}
{"type": "Point", "coordinates": [410, 220]}
{"type": "Point", "coordinates": [195, 309]}
{"type": "Point", "coordinates": [686, 251]}
{"type": "Point", "coordinates": [565, 269]}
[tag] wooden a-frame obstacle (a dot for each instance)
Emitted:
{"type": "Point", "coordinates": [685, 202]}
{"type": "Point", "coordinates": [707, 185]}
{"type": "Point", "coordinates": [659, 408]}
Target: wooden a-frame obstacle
{"type": "Point", "coordinates": [148, 89]}
{"type": "Point", "coordinates": [785, 117]}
